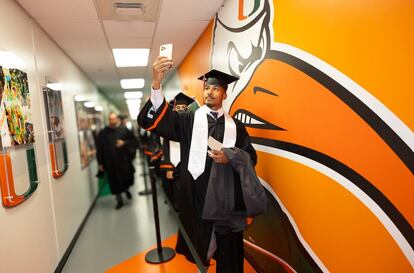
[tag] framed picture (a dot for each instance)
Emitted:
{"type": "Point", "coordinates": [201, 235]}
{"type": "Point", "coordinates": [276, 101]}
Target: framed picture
{"type": "Point", "coordinates": [18, 172]}
{"type": "Point", "coordinates": [89, 122]}
{"type": "Point", "coordinates": [56, 133]}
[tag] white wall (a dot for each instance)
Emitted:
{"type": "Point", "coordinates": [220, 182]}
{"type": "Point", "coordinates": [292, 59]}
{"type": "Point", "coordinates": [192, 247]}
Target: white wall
{"type": "Point", "coordinates": [35, 234]}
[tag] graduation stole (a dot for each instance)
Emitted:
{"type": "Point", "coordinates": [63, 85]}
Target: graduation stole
{"type": "Point", "coordinates": [198, 148]}
{"type": "Point", "coordinates": [175, 153]}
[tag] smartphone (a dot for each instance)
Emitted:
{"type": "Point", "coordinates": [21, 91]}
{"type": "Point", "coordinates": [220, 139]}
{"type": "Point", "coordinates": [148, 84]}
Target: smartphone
{"type": "Point", "coordinates": [166, 50]}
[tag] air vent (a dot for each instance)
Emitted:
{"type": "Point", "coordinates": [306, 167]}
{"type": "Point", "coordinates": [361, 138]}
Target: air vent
{"type": "Point", "coordinates": [129, 9]}
{"type": "Point", "coordinates": [129, 5]}
{"type": "Point", "coordinates": [142, 10]}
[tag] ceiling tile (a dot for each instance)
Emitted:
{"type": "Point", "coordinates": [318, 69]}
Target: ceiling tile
{"type": "Point", "coordinates": [183, 10]}
{"type": "Point", "coordinates": [132, 72]}
{"type": "Point", "coordinates": [166, 33]}
{"type": "Point", "coordinates": [128, 29]}
{"type": "Point", "coordinates": [130, 42]}
{"type": "Point", "coordinates": [96, 64]}
{"type": "Point", "coordinates": [60, 9]}
{"type": "Point", "coordinates": [72, 28]}
{"type": "Point", "coordinates": [81, 43]}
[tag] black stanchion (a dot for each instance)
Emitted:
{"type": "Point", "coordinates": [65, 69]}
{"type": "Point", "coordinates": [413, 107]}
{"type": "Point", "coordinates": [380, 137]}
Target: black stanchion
{"type": "Point", "coordinates": [160, 254]}
{"type": "Point", "coordinates": [144, 174]}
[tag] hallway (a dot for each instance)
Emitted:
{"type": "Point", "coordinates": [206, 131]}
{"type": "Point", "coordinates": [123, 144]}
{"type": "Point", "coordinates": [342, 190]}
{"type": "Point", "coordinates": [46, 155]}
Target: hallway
{"type": "Point", "coordinates": [111, 236]}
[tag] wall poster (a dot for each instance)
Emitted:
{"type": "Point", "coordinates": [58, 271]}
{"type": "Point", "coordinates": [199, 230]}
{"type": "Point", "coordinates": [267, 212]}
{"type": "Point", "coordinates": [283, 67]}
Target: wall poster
{"type": "Point", "coordinates": [18, 174]}
{"type": "Point", "coordinates": [89, 122]}
{"type": "Point", "coordinates": [56, 132]}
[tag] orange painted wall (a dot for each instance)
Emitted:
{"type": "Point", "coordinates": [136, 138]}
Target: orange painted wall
{"type": "Point", "coordinates": [344, 186]}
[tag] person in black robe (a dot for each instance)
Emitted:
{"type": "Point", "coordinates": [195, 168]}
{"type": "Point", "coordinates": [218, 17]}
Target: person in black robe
{"type": "Point", "coordinates": [114, 158]}
{"type": "Point", "coordinates": [132, 150]}
{"type": "Point", "coordinates": [156, 115]}
{"type": "Point", "coordinates": [170, 159]}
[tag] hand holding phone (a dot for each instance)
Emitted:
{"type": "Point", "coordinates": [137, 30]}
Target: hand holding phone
{"type": "Point", "coordinates": [166, 50]}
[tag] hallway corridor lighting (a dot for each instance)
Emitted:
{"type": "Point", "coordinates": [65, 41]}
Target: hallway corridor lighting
{"type": "Point", "coordinates": [80, 98]}
{"type": "Point", "coordinates": [133, 101]}
{"type": "Point", "coordinates": [133, 95]}
{"type": "Point", "coordinates": [133, 107]}
{"type": "Point", "coordinates": [98, 108]}
{"type": "Point", "coordinates": [54, 86]}
{"type": "Point", "coordinates": [89, 104]}
{"type": "Point", "coordinates": [10, 60]}
{"type": "Point", "coordinates": [132, 83]}
{"type": "Point", "coordinates": [129, 57]}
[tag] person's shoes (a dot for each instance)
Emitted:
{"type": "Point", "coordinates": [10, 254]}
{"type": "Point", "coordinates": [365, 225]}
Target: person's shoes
{"type": "Point", "coordinates": [128, 195]}
{"type": "Point", "coordinates": [119, 202]}
{"type": "Point", "coordinates": [119, 205]}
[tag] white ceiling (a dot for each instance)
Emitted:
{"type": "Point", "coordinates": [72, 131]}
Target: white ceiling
{"type": "Point", "coordinates": [78, 28]}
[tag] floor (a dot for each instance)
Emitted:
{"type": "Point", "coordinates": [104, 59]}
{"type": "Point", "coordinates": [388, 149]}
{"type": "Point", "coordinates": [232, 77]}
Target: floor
{"type": "Point", "coordinates": [116, 241]}
{"type": "Point", "coordinates": [111, 236]}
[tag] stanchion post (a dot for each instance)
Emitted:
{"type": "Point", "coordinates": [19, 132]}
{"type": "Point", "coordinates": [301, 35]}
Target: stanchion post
{"type": "Point", "coordinates": [160, 254]}
{"type": "Point", "coordinates": [146, 191]}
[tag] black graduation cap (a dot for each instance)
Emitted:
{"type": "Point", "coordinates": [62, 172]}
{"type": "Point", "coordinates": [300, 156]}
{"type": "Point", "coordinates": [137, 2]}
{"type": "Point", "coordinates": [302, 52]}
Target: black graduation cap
{"type": "Point", "coordinates": [182, 98]}
{"type": "Point", "coordinates": [171, 103]}
{"type": "Point", "coordinates": [215, 77]}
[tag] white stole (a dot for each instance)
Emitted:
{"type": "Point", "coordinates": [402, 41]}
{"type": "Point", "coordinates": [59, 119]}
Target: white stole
{"type": "Point", "coordinates": [175, 153]}
{"type": "Point", "coordinates": [198, 148]}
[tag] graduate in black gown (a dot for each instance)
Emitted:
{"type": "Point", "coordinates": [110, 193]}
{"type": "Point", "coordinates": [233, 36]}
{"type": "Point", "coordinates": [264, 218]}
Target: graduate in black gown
{"type": "Point", "coordinates": [114, 143]}
{"type": "Point", "coordinates": [170, 159]}
{"type": "Point", "coordinates": [192, 131]}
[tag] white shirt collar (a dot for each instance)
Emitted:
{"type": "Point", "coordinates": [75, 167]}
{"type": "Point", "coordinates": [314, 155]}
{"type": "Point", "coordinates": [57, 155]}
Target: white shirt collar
{"type": "Point", "coordinates": [219, 111]}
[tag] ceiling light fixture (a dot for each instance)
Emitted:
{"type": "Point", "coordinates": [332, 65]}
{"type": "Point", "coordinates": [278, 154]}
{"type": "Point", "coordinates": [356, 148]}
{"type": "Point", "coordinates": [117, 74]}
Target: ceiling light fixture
{"type": "Point", "coordinates": [80, 98]}
{"type": "Point", "coordinates": [98, 108]}
{"type": "Point", "coordinates": [133, 95]}
{"type": "Point", "coordinates": [132, 83]}
{"type": "Point", "coordinates": [54, 86]}
{"type": "Point", "coordinates": [89, 104]}
{"type": "Point", "coordinates": [133, 101]}
{"type": "Point", "coordinates": [129, 57]}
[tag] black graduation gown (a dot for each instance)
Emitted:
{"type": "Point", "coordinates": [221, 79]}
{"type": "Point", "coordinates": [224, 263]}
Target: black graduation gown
{"type": "Point", "coordinates": [165, 166]}
{"type": "Point", "coordinates": [178, 126]}
{"type": "Point", "coordinates": [116, 161]}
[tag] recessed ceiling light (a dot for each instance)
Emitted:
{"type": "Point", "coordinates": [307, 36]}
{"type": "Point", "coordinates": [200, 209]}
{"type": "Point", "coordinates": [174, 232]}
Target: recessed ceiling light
{"type": "Point", "coordinates": [133, 95]}
{"type": "Point", "coordinates": [132, 83]}
{"type": "Point", "coordinates": [133, 101]}
{"type": "Point", "coordinates": [54, 86]}
{"type": "Point", "coordinates": [80, 98]}
{"type": "Point", "coordinates": [89, 104]}
{"type": "Point", "coordinates": [133, 108]}
{"type": "Point", "coordinates": [128, 57]}
{"type": "Point", "coordinates": [98, 108]}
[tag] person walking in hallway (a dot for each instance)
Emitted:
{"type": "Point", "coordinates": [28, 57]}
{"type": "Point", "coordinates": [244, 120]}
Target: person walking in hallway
{"type": "Point", "coordinates": [113, 152]}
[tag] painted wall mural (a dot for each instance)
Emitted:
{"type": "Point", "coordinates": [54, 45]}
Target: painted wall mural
{"type": "Point", "coordinates": [325, 93]}
{"type": "Point", "coordinates": [18, 173]}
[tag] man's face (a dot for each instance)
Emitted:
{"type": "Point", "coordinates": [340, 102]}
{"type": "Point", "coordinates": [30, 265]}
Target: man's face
{"type": "Point", "coordinates": [180, 107]}
{"type": "Point", "coordinates": [214, 95]}
{"type": "Point", "coordinates": [113, 120]}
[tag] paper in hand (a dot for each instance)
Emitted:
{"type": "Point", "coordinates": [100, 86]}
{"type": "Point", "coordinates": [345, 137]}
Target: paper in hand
{"type": "Point", "coordinates": [214, 144]}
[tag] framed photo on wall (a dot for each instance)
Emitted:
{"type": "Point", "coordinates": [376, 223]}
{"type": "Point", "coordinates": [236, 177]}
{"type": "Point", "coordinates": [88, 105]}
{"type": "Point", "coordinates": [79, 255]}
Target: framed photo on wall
{"type": "Point", "coordinates": [18, 172]}
{"type": "Point", "coordinates": [56, 132]}
{"type": "Point", "coordinates": [89, 122]}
